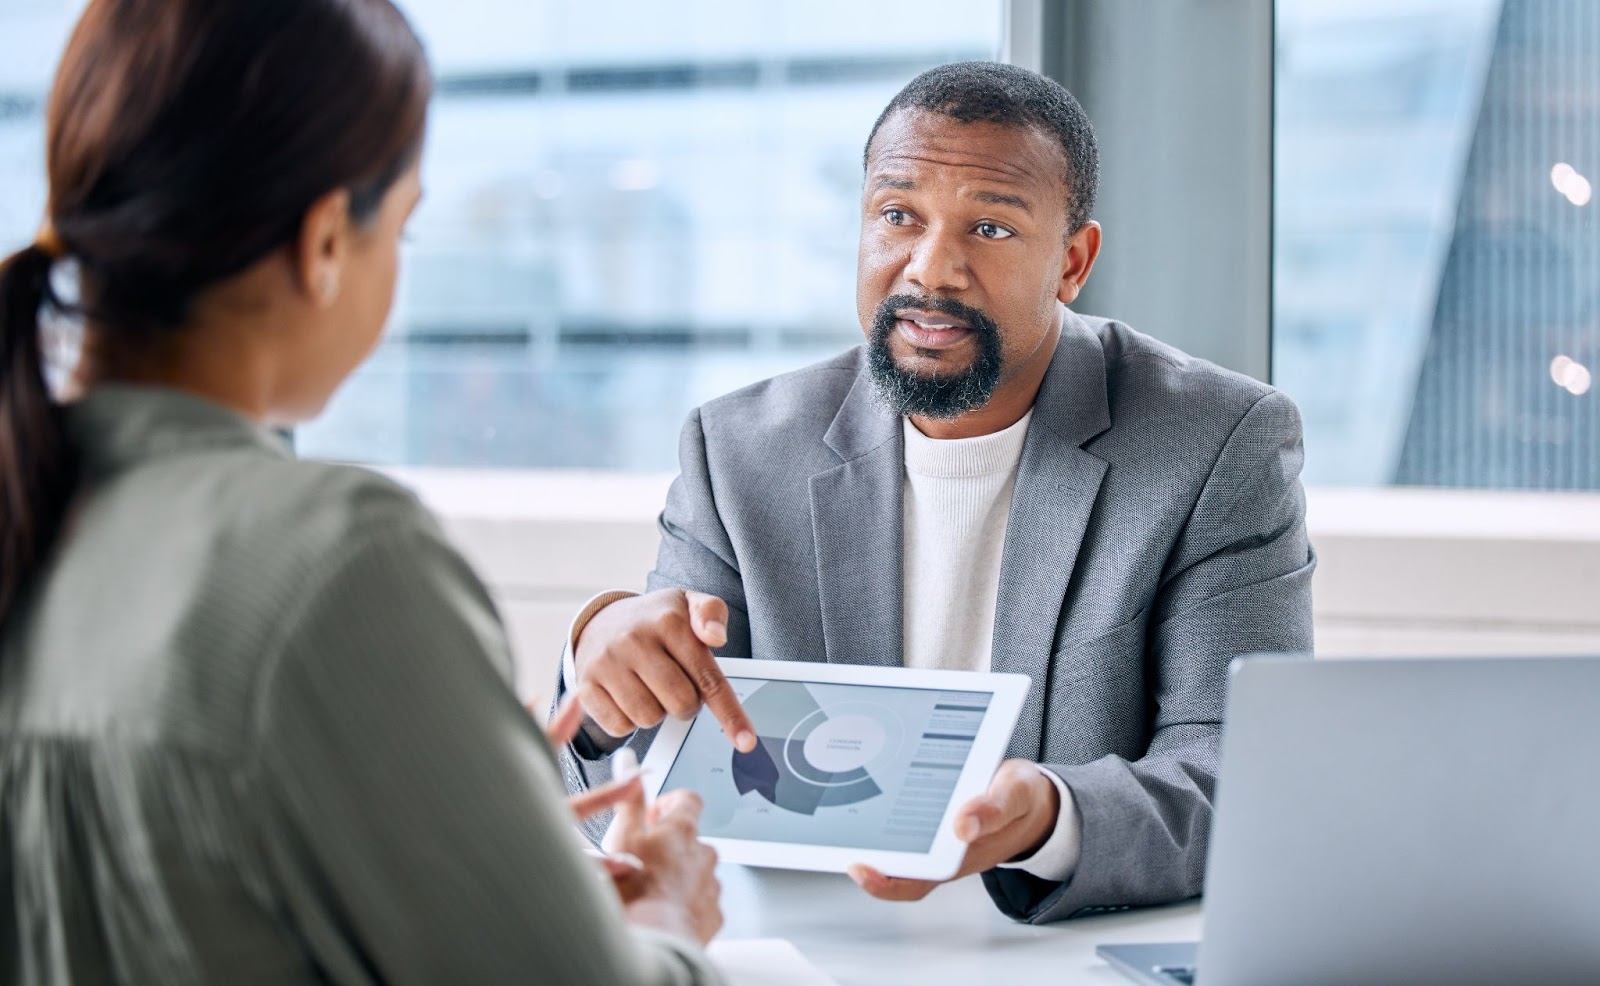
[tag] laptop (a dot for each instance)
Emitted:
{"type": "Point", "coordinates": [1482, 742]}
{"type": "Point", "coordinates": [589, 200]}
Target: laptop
{"type": "Point", "coordinates": [1400, 822]}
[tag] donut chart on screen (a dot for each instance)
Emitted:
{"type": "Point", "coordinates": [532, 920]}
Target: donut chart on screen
{"type": "Point", "coordinates": [809, 757]}
{"type": "Point", "coordinates": [836, 763]}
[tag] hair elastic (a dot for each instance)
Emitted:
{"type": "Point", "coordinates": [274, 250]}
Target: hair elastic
{"type": "Point", "coordinates": [49, 241]}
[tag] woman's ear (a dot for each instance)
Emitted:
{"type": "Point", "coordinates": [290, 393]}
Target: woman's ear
{"type": "Point", "coordinates": [1083, 248]}
{"type": "Point", "coordinates": [323, 248]}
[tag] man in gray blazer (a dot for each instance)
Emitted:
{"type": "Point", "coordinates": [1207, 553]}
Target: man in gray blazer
{"type": "Point", "coordinates": [991, 482]}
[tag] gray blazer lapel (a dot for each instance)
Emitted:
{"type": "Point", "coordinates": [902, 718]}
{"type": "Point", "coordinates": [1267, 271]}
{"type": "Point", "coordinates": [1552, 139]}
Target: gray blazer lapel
{"type": "Point", "coordinates": [855, 521]}
{"type": "Point", "coordinates": [1057, 482]}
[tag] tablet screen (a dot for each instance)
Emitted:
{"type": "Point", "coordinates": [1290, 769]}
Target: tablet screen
{"type": "Point", "coordinates": [861, 766]}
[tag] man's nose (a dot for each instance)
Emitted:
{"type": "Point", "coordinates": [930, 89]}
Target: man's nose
{"type": "Point", "coordinates": [938, 264]}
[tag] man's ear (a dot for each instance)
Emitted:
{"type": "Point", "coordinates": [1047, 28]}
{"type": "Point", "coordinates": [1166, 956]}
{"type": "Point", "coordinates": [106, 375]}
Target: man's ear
{"type": "Point", "coordinates": [323, 247]}
{"type": "Point", "coordinates": [1083, 249]}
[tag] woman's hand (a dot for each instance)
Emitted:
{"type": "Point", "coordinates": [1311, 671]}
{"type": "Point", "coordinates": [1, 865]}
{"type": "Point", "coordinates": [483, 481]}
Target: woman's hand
{"type": "Point", "coordinates": [560, 730]}
{"type": "Point", "coordinates": [663, 873]}
{"type": "Point", "coordinates": [677, 889]}
{"type": "Point", "coordinates": [665, 876]}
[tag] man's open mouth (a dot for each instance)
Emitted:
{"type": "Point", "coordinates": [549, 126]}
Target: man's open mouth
{"type": "Point", "coordinates": [927, 329]}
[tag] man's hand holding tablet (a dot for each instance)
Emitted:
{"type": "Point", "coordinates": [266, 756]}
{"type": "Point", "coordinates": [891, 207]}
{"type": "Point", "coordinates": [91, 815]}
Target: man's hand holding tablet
{"type": "Point", "coordinates": [1010, 820]}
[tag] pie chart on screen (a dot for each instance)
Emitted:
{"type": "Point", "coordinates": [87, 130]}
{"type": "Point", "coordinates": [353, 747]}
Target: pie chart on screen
{"type": "Point", "coordinates": [810, 756]}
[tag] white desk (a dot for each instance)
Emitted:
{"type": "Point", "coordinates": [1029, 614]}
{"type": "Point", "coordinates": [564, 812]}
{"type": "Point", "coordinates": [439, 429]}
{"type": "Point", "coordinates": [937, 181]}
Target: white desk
{"type": "Point", "coordinates": [955, 935]}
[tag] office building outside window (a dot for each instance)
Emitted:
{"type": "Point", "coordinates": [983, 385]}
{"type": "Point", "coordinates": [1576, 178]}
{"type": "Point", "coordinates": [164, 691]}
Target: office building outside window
{"type": "Point", "coordinates": [1437, 304]}
{"type": "Point", "coordinates": [633, 208]}
{"type": "Point", "coordinates": [630, 208]}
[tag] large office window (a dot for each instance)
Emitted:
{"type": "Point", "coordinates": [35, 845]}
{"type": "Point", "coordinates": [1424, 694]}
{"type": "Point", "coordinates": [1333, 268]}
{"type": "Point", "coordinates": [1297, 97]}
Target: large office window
{"type": "Point", "coordinates": [630, 208]}
{"type": "Point", "coordinates": [1437, 251]}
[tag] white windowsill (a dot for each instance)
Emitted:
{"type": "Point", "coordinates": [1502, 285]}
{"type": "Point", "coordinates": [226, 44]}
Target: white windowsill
{"type": "Point", "coordinates": [1400, 570]}
{"type": "Point", "coordinates": [596, 497]}
{"type": "Point", "coordinates": [543, 495]}
{"type": "Point", "coordinates": [1430, 513]}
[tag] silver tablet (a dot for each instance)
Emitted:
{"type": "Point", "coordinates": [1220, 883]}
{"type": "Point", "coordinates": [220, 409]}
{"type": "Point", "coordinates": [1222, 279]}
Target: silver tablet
{"type": "Point", "coordinates": [854, 765]}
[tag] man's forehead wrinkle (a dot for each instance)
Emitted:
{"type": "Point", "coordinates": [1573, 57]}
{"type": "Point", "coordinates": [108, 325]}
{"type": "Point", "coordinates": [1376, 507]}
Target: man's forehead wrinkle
{"type": "Point", "coordinates": [962, 188]}
{"type": "Point", "coordinates": [923, 132]}
{"type": "Point", "coordinates": [1003, 171]}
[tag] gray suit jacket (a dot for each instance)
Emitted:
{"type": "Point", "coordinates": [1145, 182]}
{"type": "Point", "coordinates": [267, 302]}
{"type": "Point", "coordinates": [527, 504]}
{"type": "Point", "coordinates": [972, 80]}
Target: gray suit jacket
{"type": "Point", "coordinates": [1156, 532]}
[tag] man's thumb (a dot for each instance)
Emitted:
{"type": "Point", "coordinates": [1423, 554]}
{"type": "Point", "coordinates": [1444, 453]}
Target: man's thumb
{"type": "Point", "coordinates": [708, 616]}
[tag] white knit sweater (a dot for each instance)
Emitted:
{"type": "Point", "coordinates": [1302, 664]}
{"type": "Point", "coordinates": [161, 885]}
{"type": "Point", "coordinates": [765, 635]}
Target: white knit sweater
{"type": "Point", "coordinates": [957, 500]}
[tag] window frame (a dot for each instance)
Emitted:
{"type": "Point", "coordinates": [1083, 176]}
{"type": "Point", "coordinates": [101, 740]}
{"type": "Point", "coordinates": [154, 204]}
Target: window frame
{"type": "Point", "coordinates": [1403, 571]}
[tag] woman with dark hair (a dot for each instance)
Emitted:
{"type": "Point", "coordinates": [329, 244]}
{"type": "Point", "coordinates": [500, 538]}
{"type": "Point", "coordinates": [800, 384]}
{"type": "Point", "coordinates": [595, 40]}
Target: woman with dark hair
{"type": "Point", "coordinates": [255, 723]}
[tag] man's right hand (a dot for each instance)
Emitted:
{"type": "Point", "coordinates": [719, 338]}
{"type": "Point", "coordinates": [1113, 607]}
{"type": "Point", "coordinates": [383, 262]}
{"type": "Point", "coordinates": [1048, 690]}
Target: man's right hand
{"type": "Point", "coordinates": [644, 657]}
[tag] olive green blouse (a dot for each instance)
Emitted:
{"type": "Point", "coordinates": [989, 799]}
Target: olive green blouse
{"type": "Point", "coordinates": [256, 727]}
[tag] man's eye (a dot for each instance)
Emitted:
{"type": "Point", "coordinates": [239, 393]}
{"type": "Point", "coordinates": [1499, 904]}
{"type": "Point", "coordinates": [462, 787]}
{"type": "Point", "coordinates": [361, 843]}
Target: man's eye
{"type": "Point", "coordinates": [990, 231]}
{"type": "Point", "coordinates": [896, 217]}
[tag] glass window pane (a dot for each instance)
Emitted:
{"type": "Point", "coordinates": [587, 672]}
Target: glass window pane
{"type": "Point", "coordinates": [630, 208]}
{"type": "Point", "coordinates": [626, 215]}
{"type": "Point", "coordinates": [32, 35]}
{"type": "Point", "coordinates": [1435, 249]}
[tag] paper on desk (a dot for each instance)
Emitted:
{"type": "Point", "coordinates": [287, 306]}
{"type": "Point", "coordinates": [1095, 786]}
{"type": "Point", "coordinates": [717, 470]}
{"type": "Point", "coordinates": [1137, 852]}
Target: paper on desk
{"type": "Point", "coordinates": [765, 962]}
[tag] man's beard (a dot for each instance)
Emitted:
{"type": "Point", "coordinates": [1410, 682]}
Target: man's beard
{"type": "Point", "coordinates": [928, 395]}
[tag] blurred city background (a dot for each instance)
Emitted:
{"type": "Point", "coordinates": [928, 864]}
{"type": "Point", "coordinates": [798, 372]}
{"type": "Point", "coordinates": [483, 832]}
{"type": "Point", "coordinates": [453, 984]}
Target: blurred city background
{"type": "Point", "coordinates": [1435, 248]}
{"type": "Point", "coordinates": [632, 208]}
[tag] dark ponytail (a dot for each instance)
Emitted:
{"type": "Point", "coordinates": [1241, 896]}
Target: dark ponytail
{"type": "Point", "coordinates": [185, 141]}
{"type": "Point", "coordinates": [36, 468]}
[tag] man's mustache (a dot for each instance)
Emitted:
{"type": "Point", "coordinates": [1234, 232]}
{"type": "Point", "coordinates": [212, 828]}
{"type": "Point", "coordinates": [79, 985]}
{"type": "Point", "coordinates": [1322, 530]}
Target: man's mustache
{"type": "Point", "coordinates": [975, 317]}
